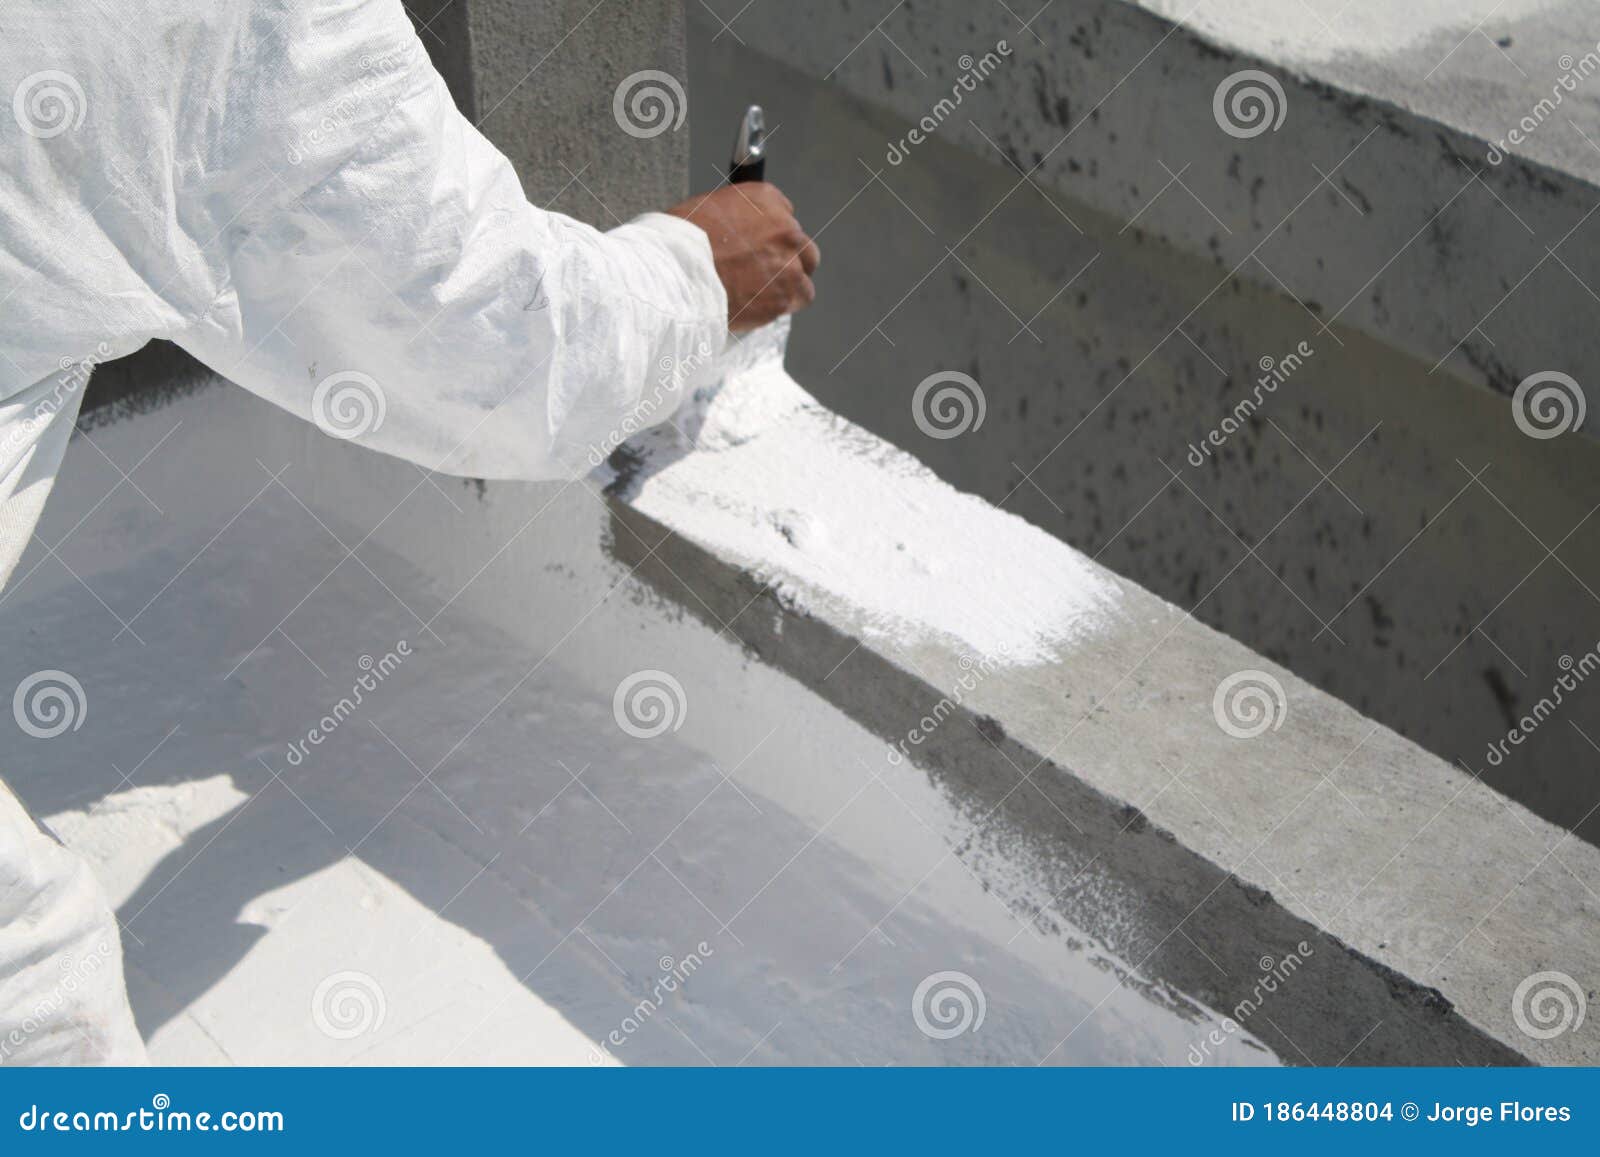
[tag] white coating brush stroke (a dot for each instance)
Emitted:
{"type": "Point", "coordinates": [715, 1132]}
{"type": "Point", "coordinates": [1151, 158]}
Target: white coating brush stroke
{"type": "Point", "coordinates": [798, 494]}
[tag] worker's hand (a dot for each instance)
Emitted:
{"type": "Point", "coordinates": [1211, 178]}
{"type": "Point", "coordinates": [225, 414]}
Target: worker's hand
{"type": "Point", "coordinates": [764, 258]}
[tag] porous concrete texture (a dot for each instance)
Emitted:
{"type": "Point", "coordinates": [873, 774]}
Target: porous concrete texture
{"type": "Point", "coordinates": [1365, 202]}
{"type": "Point", "coordinates": [1438, 577]}
{"type": "Point", "coordinates": [540, 80]}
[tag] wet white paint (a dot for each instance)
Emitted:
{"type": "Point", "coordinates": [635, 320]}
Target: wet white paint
{"type": "Point", "coordinates": [920, 563]}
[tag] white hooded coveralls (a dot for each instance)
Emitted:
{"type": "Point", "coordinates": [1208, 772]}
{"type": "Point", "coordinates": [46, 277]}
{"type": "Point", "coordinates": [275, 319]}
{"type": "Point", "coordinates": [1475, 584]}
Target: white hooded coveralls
{"type": "Point", "coordinates": [285, 189]}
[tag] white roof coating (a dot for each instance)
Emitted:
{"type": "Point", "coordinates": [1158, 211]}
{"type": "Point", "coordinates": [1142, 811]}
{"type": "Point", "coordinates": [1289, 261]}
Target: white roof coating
{"type": "Point", "coordinates": [478, 865]}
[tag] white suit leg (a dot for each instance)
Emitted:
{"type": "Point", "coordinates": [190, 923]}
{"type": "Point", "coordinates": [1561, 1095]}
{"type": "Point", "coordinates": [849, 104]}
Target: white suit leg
{"type": "Point", "coordinates": [62, 997]}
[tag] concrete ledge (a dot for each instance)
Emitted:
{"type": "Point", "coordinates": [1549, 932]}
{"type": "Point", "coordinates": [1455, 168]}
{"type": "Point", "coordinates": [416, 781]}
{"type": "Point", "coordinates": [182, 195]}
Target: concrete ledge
{"type": "Point", "coordinates": [1374, 203]}
{"type": "Point", "coordinates": [1411, 580]}
{"type": "Point", "coordinates": [1195, 855]}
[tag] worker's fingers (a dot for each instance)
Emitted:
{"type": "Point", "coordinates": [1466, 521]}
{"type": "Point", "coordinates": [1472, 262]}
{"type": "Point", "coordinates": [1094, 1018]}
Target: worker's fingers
{"type": "Point", "coordinates": [763, 257]}
{"type": "Point", "coordinates": [810, 257]}
{"type": "Point", "coordinates": [769, 199]}
{"type": "Point", "coordinates": [776, 195]}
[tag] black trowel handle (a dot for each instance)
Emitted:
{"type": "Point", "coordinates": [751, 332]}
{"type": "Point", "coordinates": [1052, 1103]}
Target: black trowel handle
{"type": "Point", "coordinates": [750, 148]}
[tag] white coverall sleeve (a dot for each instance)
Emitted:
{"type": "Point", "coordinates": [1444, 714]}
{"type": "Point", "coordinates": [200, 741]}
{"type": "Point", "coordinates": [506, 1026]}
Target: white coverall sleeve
{"type": "Point", "coordinates": [384, 276]}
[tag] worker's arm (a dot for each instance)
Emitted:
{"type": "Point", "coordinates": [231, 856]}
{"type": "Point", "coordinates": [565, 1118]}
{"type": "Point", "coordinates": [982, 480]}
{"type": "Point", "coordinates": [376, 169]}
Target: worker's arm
{"type": "Point", "coordinates": [392, 283]}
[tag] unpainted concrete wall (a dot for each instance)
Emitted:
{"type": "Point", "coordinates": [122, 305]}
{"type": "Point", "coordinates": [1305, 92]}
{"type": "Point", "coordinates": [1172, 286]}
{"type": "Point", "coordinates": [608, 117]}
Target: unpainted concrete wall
{"type": "Point", "coordinates": [1413, 582]}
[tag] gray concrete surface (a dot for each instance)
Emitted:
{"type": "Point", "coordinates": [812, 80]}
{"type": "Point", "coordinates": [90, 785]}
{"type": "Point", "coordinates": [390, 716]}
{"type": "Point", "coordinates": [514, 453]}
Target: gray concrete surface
{"type": "Point", "coordinates": [1363, 204]}
{"type": "Point", "coordinates": [543, 78]}
{"type": "Point", "coordinates": [1195, 853]}
{"type": "Point", "coordinates": [1414, 582]}
{"type": "Point", "coordinates": [1479, 66]}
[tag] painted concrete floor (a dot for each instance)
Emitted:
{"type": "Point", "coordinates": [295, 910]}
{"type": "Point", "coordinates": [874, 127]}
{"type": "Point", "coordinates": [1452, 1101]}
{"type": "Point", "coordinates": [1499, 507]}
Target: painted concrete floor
{"type": "Point", "coordinates": [479, 866]}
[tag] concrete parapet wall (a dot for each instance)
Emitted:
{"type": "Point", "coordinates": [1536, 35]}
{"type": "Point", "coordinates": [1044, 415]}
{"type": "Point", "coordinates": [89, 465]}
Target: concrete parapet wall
{"type": "Point", "coordinates": [1375, 522]}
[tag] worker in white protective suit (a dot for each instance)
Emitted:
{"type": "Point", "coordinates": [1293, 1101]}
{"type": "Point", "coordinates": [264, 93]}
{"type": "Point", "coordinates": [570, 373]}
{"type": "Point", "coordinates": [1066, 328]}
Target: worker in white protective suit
{"type": "Point", "coordinates": [285, 189]}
